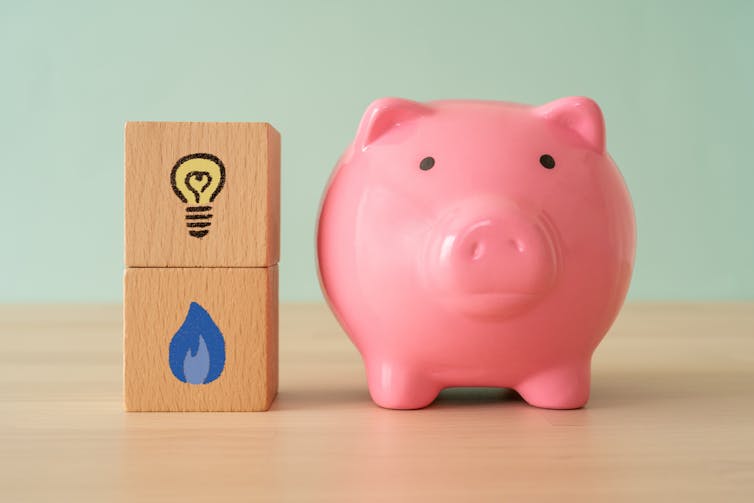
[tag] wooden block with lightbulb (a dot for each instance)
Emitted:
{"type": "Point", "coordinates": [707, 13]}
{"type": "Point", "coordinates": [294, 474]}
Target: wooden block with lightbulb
{"type": "Point", "coordinates": [202, 211]}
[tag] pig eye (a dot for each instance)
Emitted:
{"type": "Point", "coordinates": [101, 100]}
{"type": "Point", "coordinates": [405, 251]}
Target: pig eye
{"type": "Point", "coordinates": [547, 161]}
{"type": "Point", "coordinates": [427, 163]}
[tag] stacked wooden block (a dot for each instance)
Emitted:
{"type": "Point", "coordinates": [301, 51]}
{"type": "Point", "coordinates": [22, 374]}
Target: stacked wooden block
{"type": "Point", "coordinates": [201, 279]}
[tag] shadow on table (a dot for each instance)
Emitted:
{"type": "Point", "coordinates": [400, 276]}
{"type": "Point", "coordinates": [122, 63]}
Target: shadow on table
{"type": "Point", "coordinates": [609, 390]}
{"type": "Point", "coordinates": [301, 399]}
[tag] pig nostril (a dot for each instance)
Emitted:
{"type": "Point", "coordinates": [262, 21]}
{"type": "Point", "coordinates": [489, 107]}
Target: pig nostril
{"type": "Point", "coordinates": [477, 250]}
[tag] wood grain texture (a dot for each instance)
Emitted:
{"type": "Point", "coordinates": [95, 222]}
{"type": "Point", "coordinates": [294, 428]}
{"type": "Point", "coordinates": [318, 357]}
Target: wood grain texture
{"type": "Point", "coordinates": [242, 303]}
{"type": "Point", "coordinates": [671, 418]}
{"type": "Point", "coordinates": [245, 221]}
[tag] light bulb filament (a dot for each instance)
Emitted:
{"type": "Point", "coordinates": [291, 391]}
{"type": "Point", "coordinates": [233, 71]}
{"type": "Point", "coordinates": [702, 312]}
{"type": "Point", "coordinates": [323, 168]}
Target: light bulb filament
{"type": "Point", "coordinates": [197, 182]}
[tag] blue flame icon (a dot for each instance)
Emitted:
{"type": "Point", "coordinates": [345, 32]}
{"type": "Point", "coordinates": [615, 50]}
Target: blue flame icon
{"type": "Point", "coordinates": [197, 350]}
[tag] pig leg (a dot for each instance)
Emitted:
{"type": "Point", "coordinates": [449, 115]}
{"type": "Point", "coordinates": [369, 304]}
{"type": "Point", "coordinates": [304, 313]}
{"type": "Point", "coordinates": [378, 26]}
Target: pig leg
{"type": "Point", "coordinates": [398, 386]}
{"type": "Point", "coordinates": [564, 387]}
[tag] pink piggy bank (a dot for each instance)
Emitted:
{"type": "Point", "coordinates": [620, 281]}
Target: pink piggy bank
{"type": "Point", "coordinates": [477, 243]}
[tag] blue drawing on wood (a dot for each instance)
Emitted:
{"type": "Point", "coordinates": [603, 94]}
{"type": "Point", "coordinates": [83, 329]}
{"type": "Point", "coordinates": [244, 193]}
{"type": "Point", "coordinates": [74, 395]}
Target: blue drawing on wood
{"type": "Point", "coordinates": [197, 350]}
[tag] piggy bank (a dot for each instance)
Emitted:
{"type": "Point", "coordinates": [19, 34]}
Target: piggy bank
{"type": "Point", "coordinates": [477, 243]}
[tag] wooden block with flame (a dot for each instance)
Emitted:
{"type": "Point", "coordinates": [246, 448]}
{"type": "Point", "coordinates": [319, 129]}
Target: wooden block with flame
{"type": "Point", "coordinates": [200, 339]}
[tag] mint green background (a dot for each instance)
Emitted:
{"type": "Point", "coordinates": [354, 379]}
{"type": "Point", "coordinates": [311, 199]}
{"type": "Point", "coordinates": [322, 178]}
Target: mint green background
{"type": "Point", "coordinates": [675, 80]}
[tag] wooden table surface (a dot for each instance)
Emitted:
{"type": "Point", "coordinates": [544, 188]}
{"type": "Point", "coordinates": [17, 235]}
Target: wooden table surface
{"type": "Point", "coordinates": [671, 418]}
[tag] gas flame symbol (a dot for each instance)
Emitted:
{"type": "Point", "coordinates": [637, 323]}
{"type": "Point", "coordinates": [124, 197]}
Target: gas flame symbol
{"type": "Point", "coordinates": [197, 350]}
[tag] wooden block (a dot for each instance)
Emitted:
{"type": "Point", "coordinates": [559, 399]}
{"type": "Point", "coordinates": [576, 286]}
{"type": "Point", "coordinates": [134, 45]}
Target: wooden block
{"type": "Point", "coordinates": [200, 339]}
{"type": "Point", "coordinates": [202, 194]}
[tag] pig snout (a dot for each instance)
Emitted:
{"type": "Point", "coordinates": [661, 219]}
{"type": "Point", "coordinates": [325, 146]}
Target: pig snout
{"type": "Point", "coordinates": [492, 257]}
{"type": "Point", "coordinates": [506, 253]}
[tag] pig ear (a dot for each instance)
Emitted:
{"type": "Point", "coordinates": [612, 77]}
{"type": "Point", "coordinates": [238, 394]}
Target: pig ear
{"type": "Point", "coordinates": [580, 115]}
{"type": "Point", "coordinates": [385, 114]}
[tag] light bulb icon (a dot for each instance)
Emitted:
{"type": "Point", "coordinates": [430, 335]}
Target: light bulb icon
{"type": "Point", "coordinates": [196, 180]}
